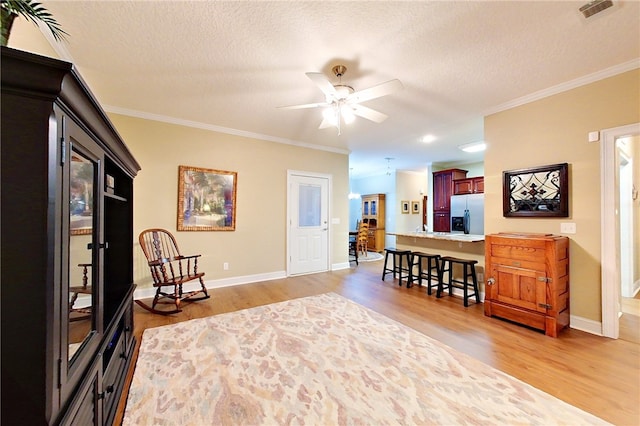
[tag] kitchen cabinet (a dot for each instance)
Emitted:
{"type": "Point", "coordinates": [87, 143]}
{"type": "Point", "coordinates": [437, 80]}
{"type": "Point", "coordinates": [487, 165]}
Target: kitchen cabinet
{"type": "Point", "coordinates": [67, 248]}
{"type": "Point", "coordinates": [528, 280]}
{"type": "Point", "coordinates": [473, 185]}
{"type": "Point", "coordinates": [373, 213]}
{"type": "Point", "coordinates": [441, 222]}
{"type": "Point", "coordinates": [442, 191]}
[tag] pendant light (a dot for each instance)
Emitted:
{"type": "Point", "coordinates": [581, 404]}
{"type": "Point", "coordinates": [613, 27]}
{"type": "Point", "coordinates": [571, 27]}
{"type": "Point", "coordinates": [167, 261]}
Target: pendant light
{"type": "Point", "coordinates": [388, 165]}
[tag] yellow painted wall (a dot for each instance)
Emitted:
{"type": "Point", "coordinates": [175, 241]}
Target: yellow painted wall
{"type": "Point", "coordinates": [27, 36]}
{"type": "Point", "coordinates": [258, 245]}
{"type": "Point", "coordinates": [554, 130]}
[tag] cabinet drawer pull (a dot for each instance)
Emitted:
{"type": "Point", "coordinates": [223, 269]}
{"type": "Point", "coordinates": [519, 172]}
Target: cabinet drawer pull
{"type": "Point", "coordinates": [515, 263]}
{"type": "Point", "coordinates": [491, 281]}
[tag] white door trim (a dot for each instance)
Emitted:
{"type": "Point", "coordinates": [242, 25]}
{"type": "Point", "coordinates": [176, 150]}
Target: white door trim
{"type": "Point", "coordinates": [290, 174]}
{"type": "Point", "coordinates": [608, 249]}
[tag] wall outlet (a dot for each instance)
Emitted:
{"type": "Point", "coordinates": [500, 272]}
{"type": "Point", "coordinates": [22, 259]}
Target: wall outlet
{"type": "Point", "coordinates": [567, 228]}
{"type": "Point", "coordinates": [225, 266]}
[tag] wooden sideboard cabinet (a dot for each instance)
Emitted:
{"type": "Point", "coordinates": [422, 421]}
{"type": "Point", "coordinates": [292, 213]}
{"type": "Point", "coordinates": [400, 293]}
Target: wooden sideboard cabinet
{"type": "Point", "coordinates": [473, 185]}
{"type": "Point", "coordinates": [528, 280]}
{"type": "Point", "coordinates": [67, 248]}
{"type": "Point", "coordinates": [373, 213]}
{"type": "Point", "coordinates": [442, 191]}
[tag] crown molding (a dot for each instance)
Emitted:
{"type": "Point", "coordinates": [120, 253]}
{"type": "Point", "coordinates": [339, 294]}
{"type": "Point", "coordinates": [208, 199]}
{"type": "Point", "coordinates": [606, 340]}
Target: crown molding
{"type": "Point", "coordinates": [219, 129]}
{"type": "Point", "coordinates": [563, 87]}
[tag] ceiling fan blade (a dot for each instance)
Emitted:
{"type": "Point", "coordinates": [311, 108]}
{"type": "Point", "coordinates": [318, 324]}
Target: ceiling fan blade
{"type": "Point", "coordinates": [368, 113]}
{"type": "Point", "coordinates": [316, 105]}
{"type": "Point", "coordinates": [321, 81]}
{"type": "Point", "coordinates": [381, 89]}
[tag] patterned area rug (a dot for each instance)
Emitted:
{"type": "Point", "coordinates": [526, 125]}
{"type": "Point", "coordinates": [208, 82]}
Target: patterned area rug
{"type": "Point", "coordinates": [323, 360]}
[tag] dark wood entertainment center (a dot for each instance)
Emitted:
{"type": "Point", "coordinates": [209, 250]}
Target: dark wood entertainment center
{"type": "Point", "coordinates": [67, 248]}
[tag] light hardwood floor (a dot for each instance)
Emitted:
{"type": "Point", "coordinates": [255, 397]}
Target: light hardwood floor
{"type": "Point", "coordinates": [596, 374]}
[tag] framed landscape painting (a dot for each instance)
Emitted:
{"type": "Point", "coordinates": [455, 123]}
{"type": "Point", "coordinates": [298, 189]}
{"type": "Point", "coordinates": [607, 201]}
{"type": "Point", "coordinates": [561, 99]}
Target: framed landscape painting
{"type": "Point", "coordinates": [206, 199]}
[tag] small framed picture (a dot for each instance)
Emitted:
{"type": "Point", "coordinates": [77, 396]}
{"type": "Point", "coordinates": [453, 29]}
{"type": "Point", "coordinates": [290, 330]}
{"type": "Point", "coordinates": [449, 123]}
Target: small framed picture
{"type": "Point", "coordinates": [404, 207]}
{"type": "Point", "coordinates": [415, 207]}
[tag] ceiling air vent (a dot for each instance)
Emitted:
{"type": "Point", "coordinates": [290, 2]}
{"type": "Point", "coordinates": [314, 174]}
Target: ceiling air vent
{"type": "Point", "coordinates": [595, 6]}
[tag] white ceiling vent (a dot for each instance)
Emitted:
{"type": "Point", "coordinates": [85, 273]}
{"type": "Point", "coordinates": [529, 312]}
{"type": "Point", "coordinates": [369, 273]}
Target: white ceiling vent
{"type": "Point", "coordinates": [595, 6]}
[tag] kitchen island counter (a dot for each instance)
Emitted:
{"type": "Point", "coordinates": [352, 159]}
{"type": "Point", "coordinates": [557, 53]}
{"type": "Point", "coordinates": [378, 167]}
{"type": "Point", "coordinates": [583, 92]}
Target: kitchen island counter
{"type": "Point", "coordinates": [463, 246]}
{"type": "Point", "coordinates": [445, 236]}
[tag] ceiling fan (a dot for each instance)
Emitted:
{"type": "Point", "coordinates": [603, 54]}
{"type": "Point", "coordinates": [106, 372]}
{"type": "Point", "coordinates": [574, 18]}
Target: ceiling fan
{"type": "Point", "coordinates": [342, 102]}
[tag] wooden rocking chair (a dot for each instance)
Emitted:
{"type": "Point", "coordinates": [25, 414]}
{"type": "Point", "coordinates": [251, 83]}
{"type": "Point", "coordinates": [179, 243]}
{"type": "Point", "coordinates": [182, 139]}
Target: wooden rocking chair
{"type": "Point", "coordinates": [169, 269]}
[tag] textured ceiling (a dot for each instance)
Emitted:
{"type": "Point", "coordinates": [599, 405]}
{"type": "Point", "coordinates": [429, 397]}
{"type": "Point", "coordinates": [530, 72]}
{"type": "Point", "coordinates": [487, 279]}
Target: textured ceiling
{"type": "Point", "coordinates": [229, 65]}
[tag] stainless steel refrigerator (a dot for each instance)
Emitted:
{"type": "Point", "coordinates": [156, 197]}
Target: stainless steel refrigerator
{"type": "Point", "coordinates": [467, 214]}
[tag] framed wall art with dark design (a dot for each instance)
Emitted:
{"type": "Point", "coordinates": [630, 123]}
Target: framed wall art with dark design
{"type": "Point", "coordinates": [206, 199]}
{"type": "Point", "coordinates": [536, 191]}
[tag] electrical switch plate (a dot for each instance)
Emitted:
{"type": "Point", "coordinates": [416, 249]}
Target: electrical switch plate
{"type": "Point", "coordinates": [225, 266]}
{"type": "Point", "coordinates": [568, 228]}
{"type": "Point", "coordinates": [594, 136]}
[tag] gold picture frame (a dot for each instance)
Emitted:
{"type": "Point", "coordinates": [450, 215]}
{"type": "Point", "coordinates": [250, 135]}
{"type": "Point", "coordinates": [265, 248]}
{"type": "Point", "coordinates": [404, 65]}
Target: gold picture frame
{"type": "Point", "coordinates": [415, 207]}
{"type": "Point", "coordinates": [206, 199]}
{"type": "Point", "coordinates": [404, 207]}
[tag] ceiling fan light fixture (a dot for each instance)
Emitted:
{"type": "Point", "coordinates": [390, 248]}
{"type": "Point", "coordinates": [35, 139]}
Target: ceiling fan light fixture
{"type": "Point", "coordinates": [347, 114]}
{"type": "Point", "coordinates": [342, 91]}
{"type": "Point", "coordinates": [330, 115]}
{"type": "Point", "coordinates": [473, 147]}
{"type": "Point", "coordinates": [342, 102]}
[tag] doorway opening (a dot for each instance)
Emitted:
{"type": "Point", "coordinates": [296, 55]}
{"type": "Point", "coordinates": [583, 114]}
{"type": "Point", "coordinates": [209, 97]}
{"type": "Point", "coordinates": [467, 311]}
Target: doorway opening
{"type": "Point", "coordinates": [619, 232]}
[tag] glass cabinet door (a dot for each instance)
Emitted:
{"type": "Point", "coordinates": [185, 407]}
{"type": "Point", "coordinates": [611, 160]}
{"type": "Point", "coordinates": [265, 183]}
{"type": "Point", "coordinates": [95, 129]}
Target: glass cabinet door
{"type": "Point", "coordinates": [83, 173]}
{"type": "Point", "coordinates": [81, 325]}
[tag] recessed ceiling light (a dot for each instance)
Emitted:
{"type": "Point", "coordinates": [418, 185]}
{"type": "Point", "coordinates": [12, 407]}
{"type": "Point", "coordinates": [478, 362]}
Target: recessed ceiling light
{"type": "Point", "coordinates": [427, 138]}
{"type": "Point", "coordinates": [473, 147]}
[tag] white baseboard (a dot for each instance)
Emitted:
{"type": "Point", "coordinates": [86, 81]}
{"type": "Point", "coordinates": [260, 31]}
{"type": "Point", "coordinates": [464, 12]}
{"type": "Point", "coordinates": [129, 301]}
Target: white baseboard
{"type": "Point", "coordinates": [339, 266]}
{"type": "Point", "coordinates": [584, 324]}
{"type": "Point", "coordinates": [148, 292]}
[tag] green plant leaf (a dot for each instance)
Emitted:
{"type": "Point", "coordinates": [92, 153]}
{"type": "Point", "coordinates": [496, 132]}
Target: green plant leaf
{"type": "Point", "coordinates": [35, 12]}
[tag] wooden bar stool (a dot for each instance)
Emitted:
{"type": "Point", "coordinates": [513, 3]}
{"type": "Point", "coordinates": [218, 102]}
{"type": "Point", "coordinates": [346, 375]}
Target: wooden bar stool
{"type": "Point", "coordinates": [469, 278]}
{"type": "Point", "coordinates": [431, 271]}
{"type": "Point", "coordinates": [398, 269]}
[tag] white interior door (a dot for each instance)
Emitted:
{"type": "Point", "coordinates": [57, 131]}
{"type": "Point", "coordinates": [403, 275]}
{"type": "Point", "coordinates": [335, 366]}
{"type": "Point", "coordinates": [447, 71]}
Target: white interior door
{"type": "Point", "coordinates": [308, 230]}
